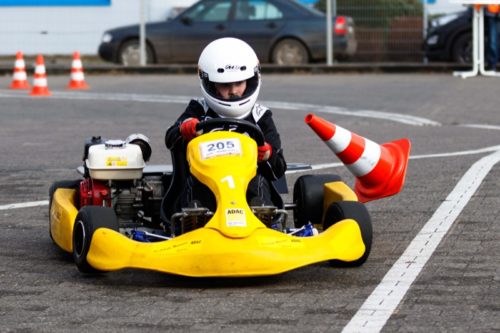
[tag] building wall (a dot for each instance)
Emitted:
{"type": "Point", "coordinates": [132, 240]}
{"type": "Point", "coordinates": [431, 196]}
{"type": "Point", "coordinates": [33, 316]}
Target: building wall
{"type": "Point", "coordinates": [58, 29]}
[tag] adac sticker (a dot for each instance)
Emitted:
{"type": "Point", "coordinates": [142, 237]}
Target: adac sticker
{"type": "Point", "coordinates": [235, 217]}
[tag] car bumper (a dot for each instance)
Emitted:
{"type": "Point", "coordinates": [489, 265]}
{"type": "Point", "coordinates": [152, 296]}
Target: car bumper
{"type": "Point", "coordinates": [342, 47]}
{"type": "Point", "coordinates": [436, 51]}
{"type": "Point", "coordinates": [108, 52]}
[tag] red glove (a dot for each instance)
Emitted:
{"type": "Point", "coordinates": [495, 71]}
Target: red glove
{"type": "Point", "coordinates": [188, 129]}
{"type": "Point", "coordinates": [264, 152]}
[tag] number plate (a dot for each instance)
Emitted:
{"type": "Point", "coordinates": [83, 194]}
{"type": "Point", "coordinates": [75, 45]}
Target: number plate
{"type": "Point", "coordinates": [216, 148]}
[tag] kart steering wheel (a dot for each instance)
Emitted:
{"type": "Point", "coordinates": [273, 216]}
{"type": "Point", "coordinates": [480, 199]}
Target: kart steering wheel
{"type": "Point", "coordinates": [238, 125]}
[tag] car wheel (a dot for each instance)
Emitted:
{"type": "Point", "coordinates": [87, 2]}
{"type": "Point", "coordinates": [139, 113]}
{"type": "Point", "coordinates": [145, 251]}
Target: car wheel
{"type": "Point", "coordinates": [290, 52]}
{"type": "Point", "coordinates": [72, 184]}
{"type": "Point", "coordinates": [130, 54]}
{"type": "Point", "coordinates": [357, 211]}
{"type": "Point", "coordinates": [308, 198]}
{"type": "Point", "coordinates": [461, 50]}
{"type": "Point", "coordinates": [88, 220]}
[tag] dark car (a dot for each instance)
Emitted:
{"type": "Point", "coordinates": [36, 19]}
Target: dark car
{"type": "Point", "coordinates": [283, 32]}
{"type": "Point", "coordinates": [449, 38]}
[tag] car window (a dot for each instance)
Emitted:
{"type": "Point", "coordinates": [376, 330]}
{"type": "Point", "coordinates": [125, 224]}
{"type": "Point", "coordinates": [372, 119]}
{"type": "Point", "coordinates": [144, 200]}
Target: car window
{"type": "Point", "coordinates": [209, 11]}
{"type": "Point", "coordinates": [256, 10]}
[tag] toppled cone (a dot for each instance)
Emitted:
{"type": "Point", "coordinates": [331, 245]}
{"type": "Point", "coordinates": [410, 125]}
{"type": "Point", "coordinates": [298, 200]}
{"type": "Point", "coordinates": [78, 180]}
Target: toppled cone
{"type": "Point", "coordinates": [380, 170]}
{"type": "Point", "coordinates": [40, 87]}
{"type": "Point", "coordinates": [77, 78]}
{"type": "Point", "coordinates": [19, 77]}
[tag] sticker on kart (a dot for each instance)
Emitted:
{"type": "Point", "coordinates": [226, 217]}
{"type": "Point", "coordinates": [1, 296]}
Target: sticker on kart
{"type": "Point", "coordinates": [215, 148]}
{"type": "Point", "coordinates": [235, 217]}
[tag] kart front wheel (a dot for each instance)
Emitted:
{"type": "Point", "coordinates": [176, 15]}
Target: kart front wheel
{"type": "Point", "coordinates": [357, 211]}
{"type": "Point", "coordinates": [88, 220]}
{"type": "Point", "coordinates": [308, 198]}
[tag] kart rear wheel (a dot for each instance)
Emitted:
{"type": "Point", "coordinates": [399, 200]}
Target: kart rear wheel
{"type": "Point", "coordinates": [72, 184]}
{"type": "Point", "coordinates": [357, 211]}
{"type": "Point", "coordinates": [308, 198]}
{"type": "Point", "coordinates": [88, 220]}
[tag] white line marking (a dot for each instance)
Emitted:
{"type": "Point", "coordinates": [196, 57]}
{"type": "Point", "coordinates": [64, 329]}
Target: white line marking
{"type": "Point", "coordinates": [416, 157]}
{"type": "Point", "coordinates": [400, 118]}
{"type": "Point", "coordinates": [148, 98]}
{"type": "Point", "coordinates": [382, 302]}
{"type": "Point", "coordinates": [25, 205]}
{"type": "Point", "coordinates": [491, 127]}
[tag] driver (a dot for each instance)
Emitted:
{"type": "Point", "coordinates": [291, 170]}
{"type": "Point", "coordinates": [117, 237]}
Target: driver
{"type": "Point", "coordinates": [230, 81]}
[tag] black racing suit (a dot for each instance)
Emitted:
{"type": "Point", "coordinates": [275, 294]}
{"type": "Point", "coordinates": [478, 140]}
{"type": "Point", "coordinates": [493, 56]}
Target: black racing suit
{"type": "Point", "coordinates": [259, 187]}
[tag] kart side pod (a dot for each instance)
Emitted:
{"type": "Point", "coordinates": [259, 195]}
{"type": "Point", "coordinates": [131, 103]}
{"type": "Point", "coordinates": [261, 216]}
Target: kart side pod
{"type": "Point", "coordinates": [380, 170]}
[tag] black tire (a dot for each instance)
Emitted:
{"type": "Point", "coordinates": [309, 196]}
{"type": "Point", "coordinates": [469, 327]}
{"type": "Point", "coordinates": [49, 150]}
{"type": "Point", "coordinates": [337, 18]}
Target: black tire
{"type": "Point", "coordinates": [461, 50]}
{"type": "Point", "coordinates": [88, 220]}
{"type": "Point", "coordinates": [290, 52]}
{"type": "Point", "coordinates": [357, 211]}
{"type": "Point", "coordinates": [308, 198]}
{"type": "Point", "coordinates": [72, 184]}
{"type": "Point", "coordinates": [129, 53]}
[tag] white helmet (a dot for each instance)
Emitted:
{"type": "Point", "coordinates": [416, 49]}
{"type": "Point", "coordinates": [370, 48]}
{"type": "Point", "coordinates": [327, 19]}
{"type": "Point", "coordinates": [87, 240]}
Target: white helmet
{"type": "Point", "coordinates": [228, 60]}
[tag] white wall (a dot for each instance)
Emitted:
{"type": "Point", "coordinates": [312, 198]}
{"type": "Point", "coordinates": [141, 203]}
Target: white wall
{"type": "Point", "coordinates": [444, 6]}
{"type": "Point", "coordinates": [63, 30]}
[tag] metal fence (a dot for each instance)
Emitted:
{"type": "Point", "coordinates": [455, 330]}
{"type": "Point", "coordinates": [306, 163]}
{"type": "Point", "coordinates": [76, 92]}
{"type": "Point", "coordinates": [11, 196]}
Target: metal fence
{"type": "Point", "coordinates": [386, 30]}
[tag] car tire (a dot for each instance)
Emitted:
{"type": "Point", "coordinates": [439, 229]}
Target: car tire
{"type": "Point", "coordinates": [308, 198]}
{"type": "Point", "coordinates": [88, 220]}
{"type": "Point", "coordinates": [72, 184]}
{"type": "Point", "coordinates": [290, 52]}
{"type": "Point", "coordinates": [357, 211]}
{"type": "Point", "coordinates": [461, 50]}
{"type": "Point", "coordinates": [129, 53]}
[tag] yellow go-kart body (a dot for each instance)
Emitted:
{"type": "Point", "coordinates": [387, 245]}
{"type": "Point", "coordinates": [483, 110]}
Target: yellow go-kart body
{"type": "Point", "coordinates": [234, 242]}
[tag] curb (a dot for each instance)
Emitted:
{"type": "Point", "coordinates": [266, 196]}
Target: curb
{"type": "Point", "coordinates": [273, 69]}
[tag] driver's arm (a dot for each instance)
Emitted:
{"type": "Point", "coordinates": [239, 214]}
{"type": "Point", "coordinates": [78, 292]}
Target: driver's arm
{"type": "Point", "coordinates": [193, 110]}
{"type": "Point", "coordinates": [275, 167]}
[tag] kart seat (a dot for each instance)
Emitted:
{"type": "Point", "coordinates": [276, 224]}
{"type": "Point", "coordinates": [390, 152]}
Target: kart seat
{"type": "Point", "coordinates": [171, 200]}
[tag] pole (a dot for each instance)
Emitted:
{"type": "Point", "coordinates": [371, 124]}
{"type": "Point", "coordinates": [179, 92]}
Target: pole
{"type": "Point", "coordinates": [425, 24]}
{"type": "Point", "coordinates": [142, 34]}
{"type": "Point", "coordinates": [329, 33]}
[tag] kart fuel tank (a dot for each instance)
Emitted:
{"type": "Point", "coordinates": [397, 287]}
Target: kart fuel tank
{"type": "Point", "coordinates": [115, 160]}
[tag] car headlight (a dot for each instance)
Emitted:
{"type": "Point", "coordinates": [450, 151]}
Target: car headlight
{"type": "Point", "coordinates": [106, 38]}
{"type": "Point", "coordinates": [442, 20]}
{"type": "Point", "coordinates": [432, 40]}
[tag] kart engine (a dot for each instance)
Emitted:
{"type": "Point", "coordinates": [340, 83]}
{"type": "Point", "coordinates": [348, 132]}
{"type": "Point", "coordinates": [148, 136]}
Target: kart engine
{"type": "Point", "coordinates": [113, 177]}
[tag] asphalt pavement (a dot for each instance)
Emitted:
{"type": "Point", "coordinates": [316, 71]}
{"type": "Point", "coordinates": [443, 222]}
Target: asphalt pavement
{"type": "Point", "coordinates": [434, 262]}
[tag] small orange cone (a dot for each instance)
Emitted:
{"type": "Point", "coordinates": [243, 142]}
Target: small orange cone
{"type": "Point", "coordinates": [40, 87]}
{"type": "Point", "coordinates": [77, 80]}
{"type": "Point", "coordinates": [380, 170]}
{"type": "Point", "coordinates": [19, 77]}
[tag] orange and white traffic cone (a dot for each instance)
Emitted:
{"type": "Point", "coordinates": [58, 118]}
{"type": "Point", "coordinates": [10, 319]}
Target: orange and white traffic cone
{"type": "Point", "coordinates": [40, 87]}
{"type": "Point", "coordinates": [19, 77]}
{"type": "Point", "coordinates": [77, 80]}
{"type": "Point", "coordinates": [380, 170]}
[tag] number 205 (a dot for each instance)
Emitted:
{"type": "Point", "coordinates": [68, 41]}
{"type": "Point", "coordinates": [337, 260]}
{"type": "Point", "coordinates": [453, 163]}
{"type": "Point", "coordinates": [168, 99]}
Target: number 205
{"type": "Point", "coordinates": [220, 145]}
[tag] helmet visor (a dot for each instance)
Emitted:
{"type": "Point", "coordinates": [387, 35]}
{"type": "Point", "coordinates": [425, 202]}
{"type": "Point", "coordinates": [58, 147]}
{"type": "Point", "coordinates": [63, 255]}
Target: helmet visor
{"type": "Point", "coordinates": [210, 87]}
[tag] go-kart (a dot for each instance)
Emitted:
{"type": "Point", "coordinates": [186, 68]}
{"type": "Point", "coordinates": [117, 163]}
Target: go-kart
{"type": "Point", "coordinates": [120, 213]}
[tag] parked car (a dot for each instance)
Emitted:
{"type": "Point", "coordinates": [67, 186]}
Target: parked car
{"type": "Point", "coordinates": [449, 37]}
{"type": "Point", "coordinates": [283, 32]}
